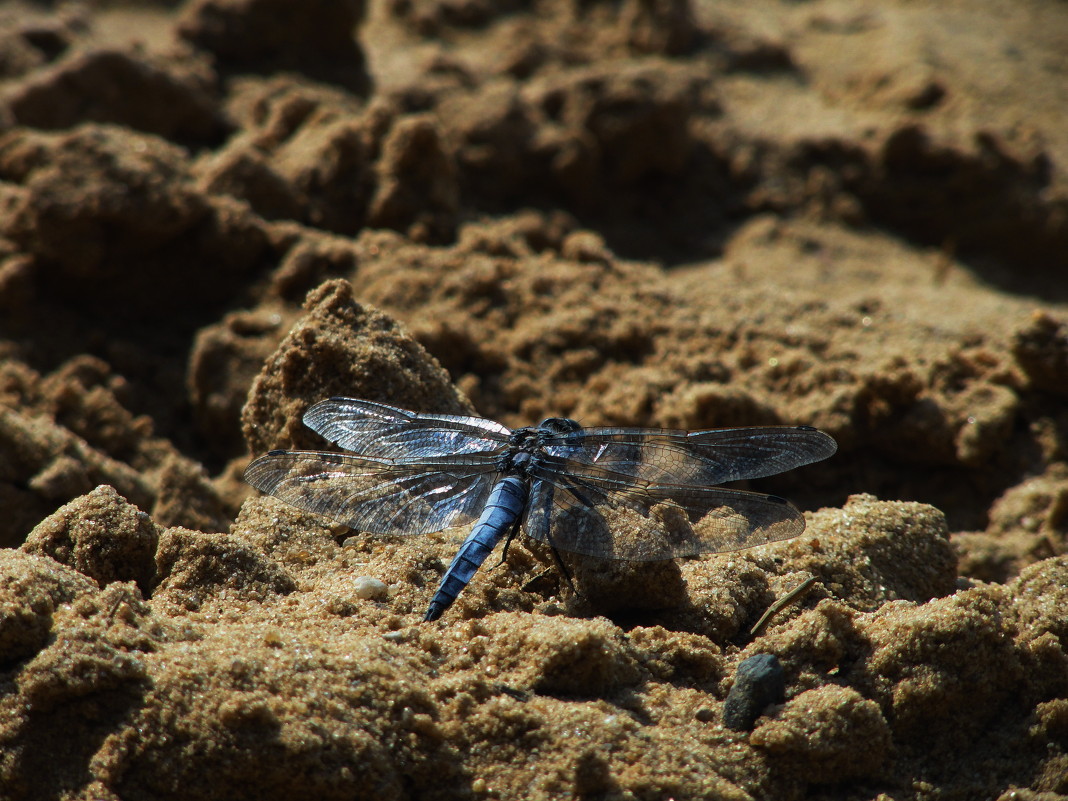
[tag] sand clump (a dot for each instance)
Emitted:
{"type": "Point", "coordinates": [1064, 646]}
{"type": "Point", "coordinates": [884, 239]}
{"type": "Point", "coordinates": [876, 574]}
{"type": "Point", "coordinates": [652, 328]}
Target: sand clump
{"type": "Point", "coordinates": [656, 214]}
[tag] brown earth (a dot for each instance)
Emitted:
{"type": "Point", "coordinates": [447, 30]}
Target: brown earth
{"type": "Point", "coordinates": [645, 212]}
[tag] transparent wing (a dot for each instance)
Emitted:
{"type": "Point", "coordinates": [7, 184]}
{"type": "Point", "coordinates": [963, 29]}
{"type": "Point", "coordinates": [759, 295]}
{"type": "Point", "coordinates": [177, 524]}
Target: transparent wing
{"type": "Point", "coordinates": [378, 431]}
{"type": "Point", "coordinates": [378, 495]}
{"type": "Point", "coordinates": [699, 458]}
{"type": "Point", "coordinates": [613, 518]}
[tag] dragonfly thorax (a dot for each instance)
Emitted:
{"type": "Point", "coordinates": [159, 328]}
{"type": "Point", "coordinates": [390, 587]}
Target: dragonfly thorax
{"type": "Point", "coordinates": [525, 444]}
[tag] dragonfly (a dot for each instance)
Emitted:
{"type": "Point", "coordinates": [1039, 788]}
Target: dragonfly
{"type": "Point", "coordinates": [641, 494]}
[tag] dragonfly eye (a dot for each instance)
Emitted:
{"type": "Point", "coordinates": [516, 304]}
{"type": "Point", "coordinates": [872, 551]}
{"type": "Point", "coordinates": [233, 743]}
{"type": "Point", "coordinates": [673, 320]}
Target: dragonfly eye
{"type": "Point", "coordinates": [559, 425]}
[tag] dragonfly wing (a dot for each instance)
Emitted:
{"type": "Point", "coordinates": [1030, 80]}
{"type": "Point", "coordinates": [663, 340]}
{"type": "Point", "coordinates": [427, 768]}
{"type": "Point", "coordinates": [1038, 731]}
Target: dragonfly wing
{"type": "Point", "coordinates": [385, 432]}
{"type": "Point", "coordinates": [377, 495]}
{"type": "Point", "coordinates": [616, 518]}
{"type": "Point", "coordinates": [700, 458]}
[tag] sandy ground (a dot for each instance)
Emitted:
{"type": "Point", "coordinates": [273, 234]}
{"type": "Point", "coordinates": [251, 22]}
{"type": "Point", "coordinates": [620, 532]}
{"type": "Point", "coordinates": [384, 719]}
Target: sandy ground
{"type": "Point", "coordinates": [847, 215]}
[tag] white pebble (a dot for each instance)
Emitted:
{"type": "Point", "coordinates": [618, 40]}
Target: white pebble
{"type": "Point", "coordinates": [368, 588]}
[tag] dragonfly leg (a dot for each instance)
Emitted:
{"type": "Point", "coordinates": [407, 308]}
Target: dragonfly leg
{"type": "Point", "coordinates": [563, 568]}
{"type": "Point", "coordinates": [508, 541]}
{"type": "Point", "coordinates": [556, 556]}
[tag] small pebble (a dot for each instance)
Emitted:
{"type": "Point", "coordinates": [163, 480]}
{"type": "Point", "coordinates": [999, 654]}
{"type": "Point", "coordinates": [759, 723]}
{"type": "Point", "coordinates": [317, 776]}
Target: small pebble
{"type": "Point", "coordinates": [760, 681]}
{"type": "Point", "coordinates": [704, 715]}
{"type": "Point", "coordinates": [368, 588]}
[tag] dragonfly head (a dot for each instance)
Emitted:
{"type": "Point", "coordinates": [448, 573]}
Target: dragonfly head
{"type": "Point", "coordinates": [559, 425]}
{"type": "Point", "coordinates": [525, 441]}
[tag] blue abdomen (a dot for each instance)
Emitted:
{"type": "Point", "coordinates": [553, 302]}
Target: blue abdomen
{"type": "Point", "coordinates": [506, 502]}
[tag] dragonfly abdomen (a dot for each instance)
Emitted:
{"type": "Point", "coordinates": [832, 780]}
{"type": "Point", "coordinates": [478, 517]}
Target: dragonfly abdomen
{"type": "Point", "coordinates": [506, 503]}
